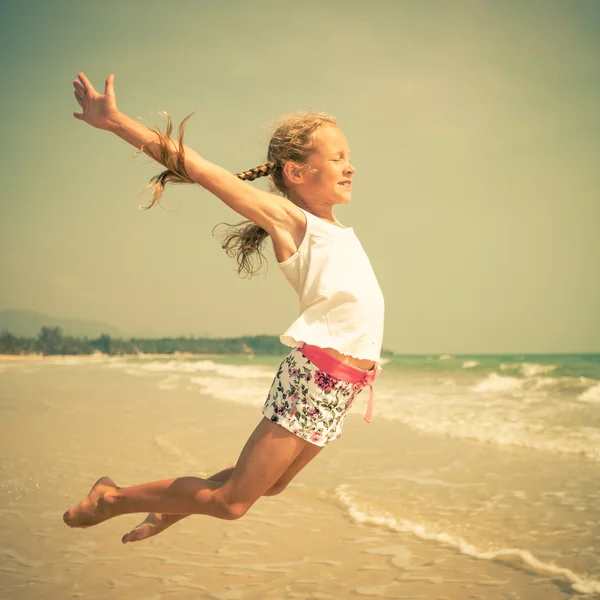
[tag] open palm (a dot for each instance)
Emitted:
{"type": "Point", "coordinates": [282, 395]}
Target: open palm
{"type": "Point", "coordinates": [98, 109]}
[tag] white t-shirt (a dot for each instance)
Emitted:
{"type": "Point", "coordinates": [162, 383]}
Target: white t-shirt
{"type": "Point", "coordinates": [341, 303]}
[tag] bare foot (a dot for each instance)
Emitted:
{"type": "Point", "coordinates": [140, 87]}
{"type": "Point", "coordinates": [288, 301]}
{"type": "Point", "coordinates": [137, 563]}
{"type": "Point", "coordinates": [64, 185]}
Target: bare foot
{"type": "Point", "coordinates": [153, 524]}
{"type": "Point", "coordinates": [95, 507]}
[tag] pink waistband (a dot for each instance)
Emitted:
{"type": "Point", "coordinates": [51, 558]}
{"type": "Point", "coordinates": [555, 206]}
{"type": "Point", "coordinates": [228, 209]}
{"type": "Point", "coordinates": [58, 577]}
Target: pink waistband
{"type": "Point", "coordinates": [336, 368]}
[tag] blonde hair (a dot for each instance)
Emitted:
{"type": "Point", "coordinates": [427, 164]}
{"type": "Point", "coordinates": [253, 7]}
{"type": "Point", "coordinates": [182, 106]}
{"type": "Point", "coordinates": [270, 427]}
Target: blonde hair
{"type": "Point", "coordinates": [293, 140]}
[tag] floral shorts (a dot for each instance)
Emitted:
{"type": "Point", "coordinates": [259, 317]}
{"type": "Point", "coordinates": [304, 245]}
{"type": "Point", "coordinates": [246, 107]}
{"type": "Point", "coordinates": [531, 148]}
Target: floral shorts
{"type": "Point", "coordinates": [307, 401]}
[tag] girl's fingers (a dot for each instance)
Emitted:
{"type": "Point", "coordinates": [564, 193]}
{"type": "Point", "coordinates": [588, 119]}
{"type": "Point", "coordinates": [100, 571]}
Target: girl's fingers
{"type": "Point", "coordinates": [79, 100]}
{"type": "Point", "coordinates": [86, 83]}
{"type": "Point", "coordinates": [109, 87]}
{"type": "Point", "coordinates": [78, 86]}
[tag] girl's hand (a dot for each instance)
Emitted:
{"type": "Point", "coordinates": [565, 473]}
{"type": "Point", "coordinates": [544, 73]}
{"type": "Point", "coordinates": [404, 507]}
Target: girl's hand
{"type": "Point", "coordinates": [98, 109]}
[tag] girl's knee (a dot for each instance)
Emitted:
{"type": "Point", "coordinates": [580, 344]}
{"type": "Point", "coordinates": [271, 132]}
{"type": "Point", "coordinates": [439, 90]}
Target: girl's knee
{"type": "Point", "coordinates": [233, 512]}
{"type": "Point", "coordinates": [275, 489]}
{"type": "Point", "coordinates": [228, 509]}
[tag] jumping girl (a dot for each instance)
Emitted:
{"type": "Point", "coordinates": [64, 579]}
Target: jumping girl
{"type": "Point", "coordinates": [336, 341]}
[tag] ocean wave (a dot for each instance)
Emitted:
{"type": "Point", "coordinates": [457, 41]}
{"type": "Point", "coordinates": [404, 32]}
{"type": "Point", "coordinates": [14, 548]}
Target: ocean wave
{"type": "Point", "coordinates": [469, 364]}
{"type": "Point", "coordinates": [577, 582]}
{"type": "Point", "coordinates": [243, 384]}
{"type": "Point", "coordinates": [528, 369]}
{"type": "Point", "coordinates": [591, 395]}
{"type": "Point", "coordinates": [70, 360]}
{"type": "Point", "coordinates": [208, 366]}
{"type": "Point", "coordinates": [524, 422]}
{"type": "Point", "coordinates": [197, 367]}
{"type": "Point", "coordinates": [498, 383]}
{"type": "Point", "coordinates": [252, 393]}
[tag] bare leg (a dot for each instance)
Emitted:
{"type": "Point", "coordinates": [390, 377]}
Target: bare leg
{"type": "Point", "coordinates": [155, 523]}
{"type": "Point", "coordinates": [268, 453]}
{"type": "Point", "coordinates": [182, 495]}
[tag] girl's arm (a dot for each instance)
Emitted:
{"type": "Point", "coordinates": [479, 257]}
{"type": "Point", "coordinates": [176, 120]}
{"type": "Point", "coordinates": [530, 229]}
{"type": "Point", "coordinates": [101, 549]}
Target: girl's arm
{"type": "Point", "coordinates": [269, 211]}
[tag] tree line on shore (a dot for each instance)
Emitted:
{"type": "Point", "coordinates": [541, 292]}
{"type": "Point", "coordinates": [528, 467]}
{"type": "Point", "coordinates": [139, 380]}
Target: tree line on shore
{"type": "Point", "coordinates": [51, 341]}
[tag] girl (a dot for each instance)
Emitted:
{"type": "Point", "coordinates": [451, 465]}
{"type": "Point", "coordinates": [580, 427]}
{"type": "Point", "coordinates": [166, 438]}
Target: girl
{"type": "Point", "coordinates": [336, 340]}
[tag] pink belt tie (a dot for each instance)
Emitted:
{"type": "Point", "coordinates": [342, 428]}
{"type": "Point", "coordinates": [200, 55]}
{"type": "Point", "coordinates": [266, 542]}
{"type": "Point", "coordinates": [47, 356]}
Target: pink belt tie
{"type": "Point", "coordinates": [336, 368]}
{"type": "Point", "coordinates": [368, 379]}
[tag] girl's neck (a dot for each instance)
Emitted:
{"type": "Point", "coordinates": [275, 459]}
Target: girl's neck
{"type": "Point", "coordinates": [324, 212]}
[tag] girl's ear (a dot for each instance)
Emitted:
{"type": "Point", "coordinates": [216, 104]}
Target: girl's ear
{"type": "Point", "coordinates": [293, 171]}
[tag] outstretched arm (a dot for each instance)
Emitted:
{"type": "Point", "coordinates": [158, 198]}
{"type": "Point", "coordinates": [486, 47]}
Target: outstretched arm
{"type": "Point", "coordinates": [100, 111]}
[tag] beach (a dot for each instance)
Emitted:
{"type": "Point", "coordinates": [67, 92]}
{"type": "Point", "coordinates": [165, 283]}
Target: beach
{"type": "Point", "coordinates": [391, 510]}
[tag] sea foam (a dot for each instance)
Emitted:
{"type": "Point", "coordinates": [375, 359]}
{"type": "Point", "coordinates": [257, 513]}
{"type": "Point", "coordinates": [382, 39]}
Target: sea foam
{"type": "Point", "coordinates": [528, 369]}
{"type": "Point", "coordinates": [591, 395]}
{"type": "Point", "coordinates": [516, 555]}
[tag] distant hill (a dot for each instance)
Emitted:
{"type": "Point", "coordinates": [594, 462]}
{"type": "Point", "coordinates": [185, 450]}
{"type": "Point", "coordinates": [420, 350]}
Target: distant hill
{"type": "Point", "coordinates": [27, 323]}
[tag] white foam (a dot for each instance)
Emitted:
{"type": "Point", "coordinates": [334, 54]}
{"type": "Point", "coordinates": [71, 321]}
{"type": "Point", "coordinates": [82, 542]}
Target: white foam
{"type": "Point", "coordinates": [69, 360]}
{"type": "Point", "coordinates": [578, 583]}
{"type": "Point", "coordinates": [498, 383]}
{"type": "Point", "coordinates": [244, 384]}
{"type": "Point", "coordinates": [525, 421]}
{"type": "Point", "coordinates": [533, 369]}
{"type": "Point", "coordinates": [251, 393]}
{"type": "Point", "coordinates": [528, 369]}
{"type": "Point", "coordinates": [469, 364]}
{"type": "Point", "coordinates": [591, 395]}
{"type": "Point", "coordinates": [208, 366]}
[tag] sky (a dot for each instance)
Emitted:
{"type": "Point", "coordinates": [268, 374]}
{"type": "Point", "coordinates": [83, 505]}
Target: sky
{"type": "Point", "coordinates": [474, 127]}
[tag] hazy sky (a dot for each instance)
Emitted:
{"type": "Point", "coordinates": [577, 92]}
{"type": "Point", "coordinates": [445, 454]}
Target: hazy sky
{"type": "Point", "coordinates": [474, 127]}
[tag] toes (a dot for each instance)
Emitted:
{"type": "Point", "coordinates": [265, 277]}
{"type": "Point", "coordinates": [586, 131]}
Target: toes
{"type": "Point", "coordinates": [69, 518]}
{"type": "Point", "coordinates": [134, 535]}
{"type": "Point", "coordinates": [128, 537]}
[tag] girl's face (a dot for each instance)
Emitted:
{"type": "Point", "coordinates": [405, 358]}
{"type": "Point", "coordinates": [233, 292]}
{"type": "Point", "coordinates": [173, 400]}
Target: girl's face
{"type": "Point", "coordinates": [327, 177]}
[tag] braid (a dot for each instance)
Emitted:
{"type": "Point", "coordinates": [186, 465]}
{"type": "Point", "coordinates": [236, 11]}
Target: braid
{"type": "Point", "coordinates": [257, 172]}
